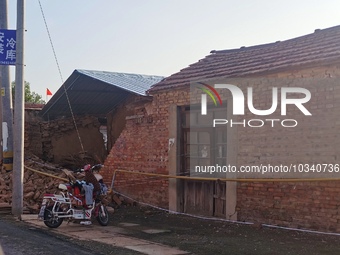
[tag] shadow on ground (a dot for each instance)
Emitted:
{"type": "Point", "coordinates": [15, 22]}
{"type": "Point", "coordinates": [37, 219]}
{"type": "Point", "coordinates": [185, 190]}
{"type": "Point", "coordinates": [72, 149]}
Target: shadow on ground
{"type": "Point", "coordinates": [217, 237]}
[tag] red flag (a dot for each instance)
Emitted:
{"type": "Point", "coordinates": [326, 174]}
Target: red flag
{"type": "Point", "coordinates": [48, 92]}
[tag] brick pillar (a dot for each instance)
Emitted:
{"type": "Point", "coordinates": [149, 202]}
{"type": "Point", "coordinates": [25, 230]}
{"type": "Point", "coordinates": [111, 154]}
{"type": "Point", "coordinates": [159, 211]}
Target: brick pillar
{"type": "Point", "coordinates": [231, 187]}
{"type": "Point", "coordinates": [175, 185]}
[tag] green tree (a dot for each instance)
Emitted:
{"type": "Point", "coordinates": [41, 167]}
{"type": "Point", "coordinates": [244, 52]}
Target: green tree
{"type": "Point", "coordinates": [30, 96]}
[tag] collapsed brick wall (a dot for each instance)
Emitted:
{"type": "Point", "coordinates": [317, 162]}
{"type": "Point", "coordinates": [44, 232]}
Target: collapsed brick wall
{"type": "Point", "coordinates": [34, 185]}
{"type": "Point", "coordinates": [143, 145]}
{"type": "Point", "coordinates": [33, 138]}
{"type": "Point", "coordinates": [62, 145]}
{"type": "Point", "coordinates": [57, 140]}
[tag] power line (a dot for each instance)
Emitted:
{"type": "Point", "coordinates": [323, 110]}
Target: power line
{"type": "Point", "coordinates": [50, 38]}
{"type": "Point", "coordinates": [61, 77]}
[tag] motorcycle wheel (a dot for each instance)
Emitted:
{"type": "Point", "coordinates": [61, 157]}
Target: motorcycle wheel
{"type": "Point", "coordinates": [49, 220]}
{"type": "Point", "coordinates": [103, 217]}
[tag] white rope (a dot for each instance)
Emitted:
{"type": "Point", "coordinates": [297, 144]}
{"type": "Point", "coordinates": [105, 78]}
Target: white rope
{"type": "Point", "coordinates": [185, 214]}
{"type": "Point", "coordinates": [225, 220]}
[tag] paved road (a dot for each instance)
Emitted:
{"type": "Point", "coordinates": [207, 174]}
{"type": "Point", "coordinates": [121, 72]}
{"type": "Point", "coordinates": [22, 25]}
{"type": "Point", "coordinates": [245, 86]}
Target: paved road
{"type": "Point", "coordinates": [16, 238]}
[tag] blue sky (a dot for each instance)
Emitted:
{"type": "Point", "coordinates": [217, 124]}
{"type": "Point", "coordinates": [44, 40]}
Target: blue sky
{"type": "Point", "coordinates": [157, 37]}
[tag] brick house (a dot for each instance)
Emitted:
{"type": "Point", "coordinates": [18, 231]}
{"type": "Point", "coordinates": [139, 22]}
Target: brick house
{"type": "Point", "coordinates": [153, 138]}
{"type": "Point", "coordinates": [88, 96]}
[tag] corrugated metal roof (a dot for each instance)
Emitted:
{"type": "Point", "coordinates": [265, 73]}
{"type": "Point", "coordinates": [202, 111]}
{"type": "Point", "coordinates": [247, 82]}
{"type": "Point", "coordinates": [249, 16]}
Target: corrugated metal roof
{"type": "Point", "coordinates": [96, 92]}
{"type": "Point", "coordinates": [135, 83]}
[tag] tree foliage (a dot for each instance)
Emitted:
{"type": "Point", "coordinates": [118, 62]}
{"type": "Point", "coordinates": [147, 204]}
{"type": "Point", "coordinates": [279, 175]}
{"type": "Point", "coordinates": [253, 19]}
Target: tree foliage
{"type": "Point", "coordinates": [30, 96]}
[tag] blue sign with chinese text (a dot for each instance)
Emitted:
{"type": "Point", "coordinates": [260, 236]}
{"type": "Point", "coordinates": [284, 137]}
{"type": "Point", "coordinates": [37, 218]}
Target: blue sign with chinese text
{"type": "Point", "coordinates": [7, 47]}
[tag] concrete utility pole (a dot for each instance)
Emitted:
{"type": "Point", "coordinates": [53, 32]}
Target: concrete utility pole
{"type": "Point", "coordinates": [7, 109]}
{"type": "Point", "coordinates": [5, 85]}
{"type": "Point", "coordinates": [19, 121]}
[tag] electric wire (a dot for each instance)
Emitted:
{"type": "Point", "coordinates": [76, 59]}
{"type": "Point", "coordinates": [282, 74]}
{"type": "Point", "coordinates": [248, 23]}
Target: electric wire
{"type": "Point", "coordinates": [61, 77]}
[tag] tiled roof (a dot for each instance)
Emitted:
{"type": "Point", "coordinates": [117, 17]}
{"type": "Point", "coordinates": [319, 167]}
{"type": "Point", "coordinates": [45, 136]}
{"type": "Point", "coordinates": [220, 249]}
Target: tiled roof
{"type": "Point", "coordinates": [320, 47]}
{"type": "Point", "coordinates": [135, 83]}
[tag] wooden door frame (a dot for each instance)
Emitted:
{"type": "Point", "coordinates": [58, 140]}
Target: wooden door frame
{"type": "Point", "coordinates": [176, 186]}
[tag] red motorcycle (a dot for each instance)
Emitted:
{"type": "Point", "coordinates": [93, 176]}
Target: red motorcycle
{"type": "Point", "coordinates": [71, 204]}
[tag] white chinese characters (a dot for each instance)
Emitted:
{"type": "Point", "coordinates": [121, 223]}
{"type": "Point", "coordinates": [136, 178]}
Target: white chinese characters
{"type": "Point", "coordinates": [11, 52]}
{"type": "Point", "coordinates": [2, 36]}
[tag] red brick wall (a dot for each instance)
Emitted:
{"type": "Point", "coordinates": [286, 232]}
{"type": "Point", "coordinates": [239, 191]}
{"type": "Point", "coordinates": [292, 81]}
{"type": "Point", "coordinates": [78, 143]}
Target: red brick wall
{"type": "Point", "coordinates": [309, 205]}
{"type": "Point", "coordinates": [143, 145]}
{"type": "Point", "coordinates": [312, 205]}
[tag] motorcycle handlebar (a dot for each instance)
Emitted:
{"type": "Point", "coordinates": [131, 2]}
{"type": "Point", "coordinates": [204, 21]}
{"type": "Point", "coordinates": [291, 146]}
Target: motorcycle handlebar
{"type": "Point", "coordinates": [97, 166]}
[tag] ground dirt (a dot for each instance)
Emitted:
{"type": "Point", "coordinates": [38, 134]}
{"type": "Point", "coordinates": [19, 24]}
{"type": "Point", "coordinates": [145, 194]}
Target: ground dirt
{"type": "Point", "coordinates": [200, 236]}
{"type": "Point", "coordinates": [19, 238]}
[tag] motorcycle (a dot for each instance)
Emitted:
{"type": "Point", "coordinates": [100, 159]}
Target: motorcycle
{"type": "Point", "coordinates": [71, 204]}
